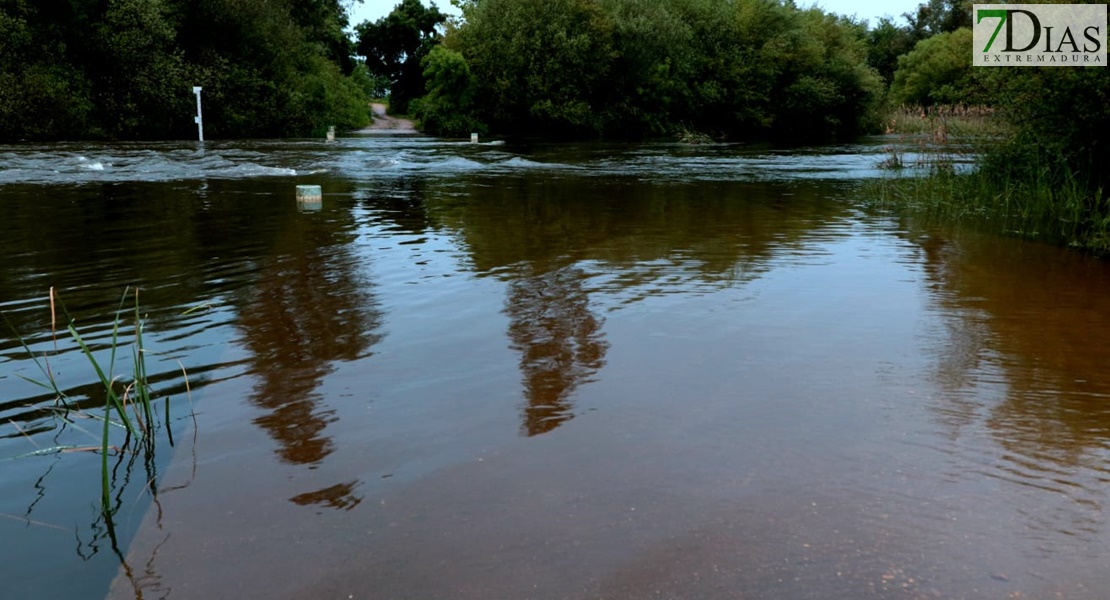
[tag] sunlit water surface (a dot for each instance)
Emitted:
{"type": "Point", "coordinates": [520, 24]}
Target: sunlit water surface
{"type": "Point", "coordinates": [545, 371]}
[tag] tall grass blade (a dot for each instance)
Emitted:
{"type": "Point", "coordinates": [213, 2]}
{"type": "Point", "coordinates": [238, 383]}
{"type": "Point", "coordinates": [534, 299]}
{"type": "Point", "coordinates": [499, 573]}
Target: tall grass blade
{"type": "Point", "coordinates": [141, 388]}
{"type": "Point", "coordinates": [53, 320]}
{"type": "Point", "coordinates": [169, 430]}
{"type": "Point", "coordinates": [105, 483]}
{"type": "Point", "coordinates": [113, 400]}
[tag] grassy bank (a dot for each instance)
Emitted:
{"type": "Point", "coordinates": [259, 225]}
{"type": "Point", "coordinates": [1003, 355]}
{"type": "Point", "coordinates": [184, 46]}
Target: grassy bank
{"type": "Point", "coordinates": [1037, 200]}
{"type": "Point", "coordinates": [1018, 187]}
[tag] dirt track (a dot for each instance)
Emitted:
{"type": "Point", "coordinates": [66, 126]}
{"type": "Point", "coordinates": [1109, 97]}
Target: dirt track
{"type": "Point", "coordinates": [384, 122]}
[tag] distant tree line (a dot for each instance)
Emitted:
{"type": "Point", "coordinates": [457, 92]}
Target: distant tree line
{"type": "Point", "coordinates": [730, 68]}
{"type": "Point", "coordinates": [124, 69]}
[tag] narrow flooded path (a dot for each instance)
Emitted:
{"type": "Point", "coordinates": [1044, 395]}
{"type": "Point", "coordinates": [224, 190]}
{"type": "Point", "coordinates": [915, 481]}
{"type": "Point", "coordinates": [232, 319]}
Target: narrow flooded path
{"type": "Point", "coordinates": [385, 123]}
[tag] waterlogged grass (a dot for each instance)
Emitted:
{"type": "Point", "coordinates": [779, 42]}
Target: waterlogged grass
{"type": "Point", "coordinates": [1018, 189]}
{"type": "Point", "coordinates": [130, 423]}
{"type": "Point", "coordinates": [938, 138]}
{"type": "Point", "coordinates": [1037, 203]}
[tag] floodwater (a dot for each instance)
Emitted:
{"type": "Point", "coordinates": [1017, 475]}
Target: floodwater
{"type": "Point", "coordinates": [551, 371]}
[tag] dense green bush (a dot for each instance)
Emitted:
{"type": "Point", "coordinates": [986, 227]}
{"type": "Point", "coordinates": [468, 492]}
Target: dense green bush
{"type": "Point", "coordinates": [125, 68]}
{"type": "Point", "coordinates": [539, 66]}
{"type": "Point", "coordinates": [732, 68]}
{"type": "Point", "coordinates": [449, 107]}
{"type": "Point", "coordinates": [937, 71]}
{"type": "Point", "coordinates": [1060, 116]}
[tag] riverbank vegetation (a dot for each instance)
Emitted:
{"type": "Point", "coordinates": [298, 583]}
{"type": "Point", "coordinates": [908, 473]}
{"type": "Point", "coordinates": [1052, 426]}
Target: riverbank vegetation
{"type": "Point", "coordinates": [1038, 132]}
{"type": "Point", "coordinates": [971, 121]}
{"type": "Point", "coordinates": [1035, 199]}
{"type": "Point", "coordinates": [763, 69]}
{"type": "Point", "coordinates": [124, 69]}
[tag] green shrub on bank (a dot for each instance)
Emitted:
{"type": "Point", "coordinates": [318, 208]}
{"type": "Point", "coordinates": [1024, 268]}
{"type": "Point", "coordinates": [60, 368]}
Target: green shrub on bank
{"type": "Point", "coordinates": [125, 69]}
{"type": "Point", "coordinates": [1046, 171]}
{"type": "Point", "coordinates": [1058, 112]}
{"type": "Point", "coordinates": [740, 69]}
{"type": "Point", "coordinates": [448, 108]}
{"type": "Point", "coordinates": [937, 71]}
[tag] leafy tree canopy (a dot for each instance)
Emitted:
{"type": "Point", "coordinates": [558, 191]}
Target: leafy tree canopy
{"type": "Point", "coordinates": [937, 71]}
{"type": "Point", "coordinates": [939, 16]}
{"type": "Point", "coordinates": [743, 68]}
{"type": "Point", "coordinates": [885, 43]}
{"type": "Point", "coordinates": [394, 46]}
{"type": "Point", "coordinates": [125, 68]}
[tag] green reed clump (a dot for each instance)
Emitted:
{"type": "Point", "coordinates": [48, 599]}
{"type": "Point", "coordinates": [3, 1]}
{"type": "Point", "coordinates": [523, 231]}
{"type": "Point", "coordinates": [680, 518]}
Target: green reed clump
{"type": "Point", "coordinates": [128, 399]}
{"type": "Point", "coordinates": [957, 120]}
{"type": "Point", "coordinates": [1020, 186]}
{"type": "Point", "coordinates": [693, 138]}
{"type": "Point", "coordinates": [1036, 197]}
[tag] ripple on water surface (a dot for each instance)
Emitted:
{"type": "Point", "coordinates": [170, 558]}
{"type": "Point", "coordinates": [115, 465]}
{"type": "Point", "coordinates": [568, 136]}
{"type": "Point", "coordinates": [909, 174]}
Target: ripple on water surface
{"type": "Point", "coordinates": [396, 156]}
{"type": "Point", "coordinates": [474, 370]}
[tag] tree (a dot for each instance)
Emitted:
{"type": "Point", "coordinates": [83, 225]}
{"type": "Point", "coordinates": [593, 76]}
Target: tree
{"type": "Point", "coordinates": [885, 43]}
{"type": "Point", "coordinates": [937, 71]}
{"type": "Point", "coordinates": [324, 22]}
{"type": "Point", "coordinates": [123, 68]}
{"type": "Point", "coordinates": [395, 45]}
{"type": "Point", "coordinates": [939, 16]}
{"type": "Point", "coordinates": [746, 68]}
{"type": "Point", "coordinates": [449, 106]}
{"type": "Point", "coordinates": [652, 67]}
{"type": "Point", "coordinates": [141, 86]}
{"type": "Point", "coordinates": [1059, 118]}
{"type": "Point", "coordinates": [542, 66]}
{"type": "Point", "coordinates": [827, 89]}
{"type": "Point", "coordinates": [41, 95]}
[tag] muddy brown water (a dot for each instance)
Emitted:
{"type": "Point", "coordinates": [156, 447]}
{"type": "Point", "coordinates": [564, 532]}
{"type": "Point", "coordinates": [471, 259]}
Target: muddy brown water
{"type": "Point", "coordinates": [549, 371]}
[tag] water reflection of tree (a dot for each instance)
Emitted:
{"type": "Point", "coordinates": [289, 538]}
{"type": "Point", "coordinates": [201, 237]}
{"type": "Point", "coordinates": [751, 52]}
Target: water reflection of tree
{"type": "Point", "coordinates": [308, 309]}
{"type": "Point", "coordinates": [1024, 357]}
{"type": "Point", "coordinates": [630, 241]}
{"type": "Point", "coordinates": [551, 324]}
{"type": "Point", "coordinates": [1040, 314]}
{"type": "Point", "coordinates": [180, 247]}
{"type": "Point", "coordinates": [705, 233]}
{"type": "Point", "coordinates": [559, 340]}
{"type": "Point", "coordinates": [399, 205]}
{"type": "Point", "coordinates": [340, 495]}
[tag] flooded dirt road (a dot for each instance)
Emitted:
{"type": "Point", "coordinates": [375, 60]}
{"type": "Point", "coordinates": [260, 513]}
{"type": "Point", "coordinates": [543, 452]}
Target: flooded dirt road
{"type": "Point", "coordinates": [551, 371]}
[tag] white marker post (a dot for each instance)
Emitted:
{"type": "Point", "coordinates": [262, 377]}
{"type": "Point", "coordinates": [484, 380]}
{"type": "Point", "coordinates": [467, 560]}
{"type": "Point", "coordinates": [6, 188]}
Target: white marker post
{"type": "Point", "coordinates": [197, 119]}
